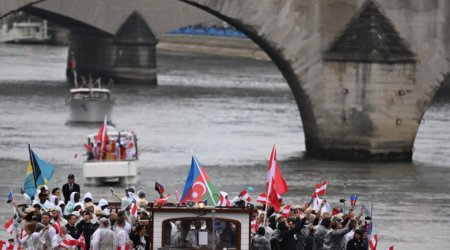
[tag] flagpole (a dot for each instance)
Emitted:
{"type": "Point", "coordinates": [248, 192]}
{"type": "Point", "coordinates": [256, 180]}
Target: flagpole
{"type": "Point", "coordinates": [268, 191]}
{"type": "Point", "coordinates": [203, 177]}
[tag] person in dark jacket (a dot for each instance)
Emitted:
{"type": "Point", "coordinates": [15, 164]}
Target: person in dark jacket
{"type": "Point", "coordinates": [87, 228]}
{"type": "Point", "coordinates": [357, 242]}
{"type": "Point", "coordinates": [70, 187]}
{"type": "Point", "coordinates": [71, 228]}
{"type": "Point", "coordinates": [141, 240]}
{"type": "Point", "coordinates": [287, 231]}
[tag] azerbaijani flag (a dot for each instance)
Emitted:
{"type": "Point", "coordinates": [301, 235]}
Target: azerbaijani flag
{"type": "Point", "coordinates": [353, 199]}
{"type": "Point", "coordinates": [198, 186]}
{"type": "Point", "coordinates": [38, 173]}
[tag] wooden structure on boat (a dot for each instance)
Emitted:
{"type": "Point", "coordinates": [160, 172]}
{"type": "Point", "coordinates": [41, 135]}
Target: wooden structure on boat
{"type": "Point", "coordinates": [212, 228]}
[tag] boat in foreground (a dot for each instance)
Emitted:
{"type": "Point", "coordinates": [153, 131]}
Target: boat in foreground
{"type": "Point", "coordinates": [89, 104]}
{"type": "Point", "coordinates": [113, 159]}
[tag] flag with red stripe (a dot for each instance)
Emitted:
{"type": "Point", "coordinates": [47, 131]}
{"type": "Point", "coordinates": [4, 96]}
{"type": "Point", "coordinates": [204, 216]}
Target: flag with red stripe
{"type": "Point", "coordinates": [254, 226]}
{"type": "Point", "coordinates": [6, 245]}
{"type": "Point", "coordinates": [244, 194]}
{"type": "Point", "coordinates": [274, 176]}
{"type": "Point", "coordinates": [57, 227]}
{"type": "Point", "coordinates": [223, 199]}
{"type": "Point", "coordinates": [134, 208]}
{"type": "Point", "coordinates": [9, 225]}
{"type": "Point", "coordinates": [70, 242]}
{"type": "Point", "coordinates": [321, 189]}
{"type": "Point", "coordinates": [123, 247]}
{"type": "Point", "coordinates": [162, 201]}
{"type": "Point", "coordinates": [286, 210]}
{"type": "Point", "coordinates": [373, 243]}
{"type": "Point", "coordinates": [262, 198]}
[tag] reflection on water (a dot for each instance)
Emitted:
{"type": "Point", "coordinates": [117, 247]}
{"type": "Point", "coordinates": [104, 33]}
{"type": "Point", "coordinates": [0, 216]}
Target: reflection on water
{"type": "Point", "coordinates": [229, 112]}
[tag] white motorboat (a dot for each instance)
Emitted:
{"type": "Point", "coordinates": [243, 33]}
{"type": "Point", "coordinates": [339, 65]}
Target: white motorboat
{"type": "Point", "coordinates": [25, 32]}
{"type": "Point", "coordinates": [111, 158]}
{"type": "Point", "coordinates": [89, 104]}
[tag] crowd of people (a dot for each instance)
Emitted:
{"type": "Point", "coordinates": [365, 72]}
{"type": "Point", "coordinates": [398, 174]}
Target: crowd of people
{"type": "Point", "coordinates": [63, 219]}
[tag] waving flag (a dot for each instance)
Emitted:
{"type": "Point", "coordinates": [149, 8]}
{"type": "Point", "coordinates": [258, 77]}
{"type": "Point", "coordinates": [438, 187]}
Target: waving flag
{"type": "Point", "coordinates": [245, 196]}
{"type": "Point", "coordinates": [9, 225]}
{"type": "Point", "coordinates": [159, 188]}
{"type": "Point", "coordinates": [286, 210]}
{"type": "Point", "coordinates": [262, 198]}
{"type": "Point", "coordinates": [223, 199]}
{"type": "Point", "coordinates": [10, 197]}
{"type": "Point", "coordinates": [254, 226]}
{"type": "Point", "coordinates": [102, 134]}
{"type": "Point", "coordinates": [366, 211]}
{"type": "Point", "coordinates": [373, 243]}
{"type": "Point", "coordinates": [69, 242]}
{"type": "Point", "coordinates": [57, 227]}
{"type": "Point", "coordinates": [321, 189]}
{"type": "Point", "coordinates": [198, 185]}
{"type": "Point", "coordinates": [162, 201]}
{"type": "Point", "coordinates": [134, 208]}
{"type": "Point", "coordinates": [274, 177]}
{"type": "Point", "coordinates": [38, 173]}
{"type": "Point", "coordinates": [353, 199]}
{"type": "Point", "coordinates": [6, 245]}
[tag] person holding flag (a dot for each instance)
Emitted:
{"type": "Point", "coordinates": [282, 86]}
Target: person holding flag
{"type": "Point", "coordinates": [275, 183]}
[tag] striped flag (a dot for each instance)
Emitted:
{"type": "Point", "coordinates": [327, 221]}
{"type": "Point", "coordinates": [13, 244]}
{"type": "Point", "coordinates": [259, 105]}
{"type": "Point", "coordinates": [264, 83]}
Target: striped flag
{"type": "Point", "coordinates": [321, 189]}
{"type": "Point", "coordinates": [262, 198]}
{"type": "Point", "coordinates": [6, 245]}
{"type": "Point", "coordinates": [223, 199]}
{"type": "Point", "coordinates": [373, 243]}
{"type": "Point", "coordinates": [353, 199]}
{"type": "Point", "coordinates": [162, 201]}
{"type": "Point", "coordinates": [286, 210]}
{"type": "Point", "coordinates": [9, 225]}
{"type": "Point", "coordinates": [254, 226]}
{"type": "Point", "coordinates": [245, 196]}
{"type": "Point", "coordinates": [134, 209]}
{"type": "Point", "coordinates": [57, 227]}
{"type": "Point", "coordinates": [71, 242]}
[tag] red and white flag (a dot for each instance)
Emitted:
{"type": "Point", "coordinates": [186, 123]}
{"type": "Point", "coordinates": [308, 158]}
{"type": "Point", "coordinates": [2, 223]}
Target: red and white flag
{"type": "Point", "coordinates": [286, 210]}
{"type": "Point", "coordinates": [162, 201]}
{"type": "Point", "coordinates": [71, 242]}
{"type": "Point", "coordinates": [177, 196]}
{"type": "Point", "coordinates": [102, 134]}
{"type": "Point", "coordinates": [274, 176]}
{"type": "Point", "coordinates": [262, 198]}
{"type": "Point", "coordinates": [373, 242]}
{"type": "Point", "coordinates": [9, 225]}
{"type": "Point", "coordinates": [254, 226]}
{"type": "Point", "coordinates": [123, 247]}
{"type": "Point", "coordinates": [245, 196]}
{"type": "Point", "coordinates": [57, 227]}
{"type": "Point", "coordinates": [6, 245]}
{"type": "Point", "coordinates": [321, 189]}
{"type": "Point", "coordinates": [134, 209]}
{"type": "Point", "coordinates": [223, 199]}
{"type": "Point", "coordinates": [273, 199]}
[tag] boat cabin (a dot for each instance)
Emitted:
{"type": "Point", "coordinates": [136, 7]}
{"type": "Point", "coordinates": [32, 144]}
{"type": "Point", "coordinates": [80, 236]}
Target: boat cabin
{"type": "Point", "coordinates": [200, 228]}
{"type": "Point", "coordinates": [89, 93]}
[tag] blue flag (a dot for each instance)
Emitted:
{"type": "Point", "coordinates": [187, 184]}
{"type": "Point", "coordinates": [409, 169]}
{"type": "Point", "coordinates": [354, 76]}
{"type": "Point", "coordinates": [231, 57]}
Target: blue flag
{"type": "Point", "coordinates": [10, 197]}
{"type": "Point", "coordinates": [38, 173]}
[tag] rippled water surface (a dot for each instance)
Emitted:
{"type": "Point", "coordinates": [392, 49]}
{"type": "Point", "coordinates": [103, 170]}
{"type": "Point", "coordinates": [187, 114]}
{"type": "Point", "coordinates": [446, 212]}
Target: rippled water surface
{"type": "Point", "coordinates": [229, 112]}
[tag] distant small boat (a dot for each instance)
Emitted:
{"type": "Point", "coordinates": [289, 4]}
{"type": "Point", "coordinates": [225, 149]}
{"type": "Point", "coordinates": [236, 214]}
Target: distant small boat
{"type": "Point", "coordinates": [90, 103]}
{"type": "Point", "coordinates": [112, 157]}
{"type": "Point", "coordinates": [25, 32]}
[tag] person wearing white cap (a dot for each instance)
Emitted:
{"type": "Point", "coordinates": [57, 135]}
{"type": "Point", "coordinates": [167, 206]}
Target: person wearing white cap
{"type": "Point", "coordinates": [74, 198]}
{"type": "Point", "coordinates": [103, 204]}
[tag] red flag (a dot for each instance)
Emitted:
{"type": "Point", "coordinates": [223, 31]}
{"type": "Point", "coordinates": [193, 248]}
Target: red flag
{"type": "Point", "coordinates": [245, 195]}
{"type": "Point", "coordinates": [390, 247]}
{"type": "Point", "coordinates": [9, 225]}
{"type": "Point", "coordinates": [6, 245]}
{"type": "Point", "coordinates": [254, 226]}
{"type": "Point", "coordinates": [273, 199]}
{"type": "Point", "coordinates": [102, 134]}
{"type": "Point", "coordinates": [321, 189]}
{"type": "Point", "coordinates": [123, 247]}
{"type": "Point", "coordinates": [373, 242]}
{"type": "Point", "coordinates": [57, 227]}
{"type": "Point", "coordinates": [274, 174]}
{"type": "Point", "coordinates": [71, 242]}
{"type": "Point", "coordinates": [286, 210]}
{"type": "Point", "coordinates": [134, 209]}
{"type": "Point", "coordinates": [162, 201]}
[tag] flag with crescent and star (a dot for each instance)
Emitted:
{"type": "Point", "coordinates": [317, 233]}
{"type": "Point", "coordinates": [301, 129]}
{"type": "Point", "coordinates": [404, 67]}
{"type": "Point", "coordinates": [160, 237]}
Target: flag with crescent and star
{"type": "Point", "coordinates": [198, 186]}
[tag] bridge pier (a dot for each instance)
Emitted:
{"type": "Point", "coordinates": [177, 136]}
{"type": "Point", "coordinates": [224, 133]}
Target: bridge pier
{"type": "Point", "coordinates": [127, 57]}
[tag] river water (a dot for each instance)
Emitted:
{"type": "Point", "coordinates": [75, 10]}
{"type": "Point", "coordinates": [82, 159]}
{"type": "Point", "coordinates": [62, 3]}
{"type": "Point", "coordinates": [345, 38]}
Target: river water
{"type": "Point", "coordinates": [229, 112]}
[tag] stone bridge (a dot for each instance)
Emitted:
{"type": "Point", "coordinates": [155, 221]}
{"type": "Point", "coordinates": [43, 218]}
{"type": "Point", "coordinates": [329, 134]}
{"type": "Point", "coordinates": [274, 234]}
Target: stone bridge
{"type": "Point", "coordinates": [362, 73]}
